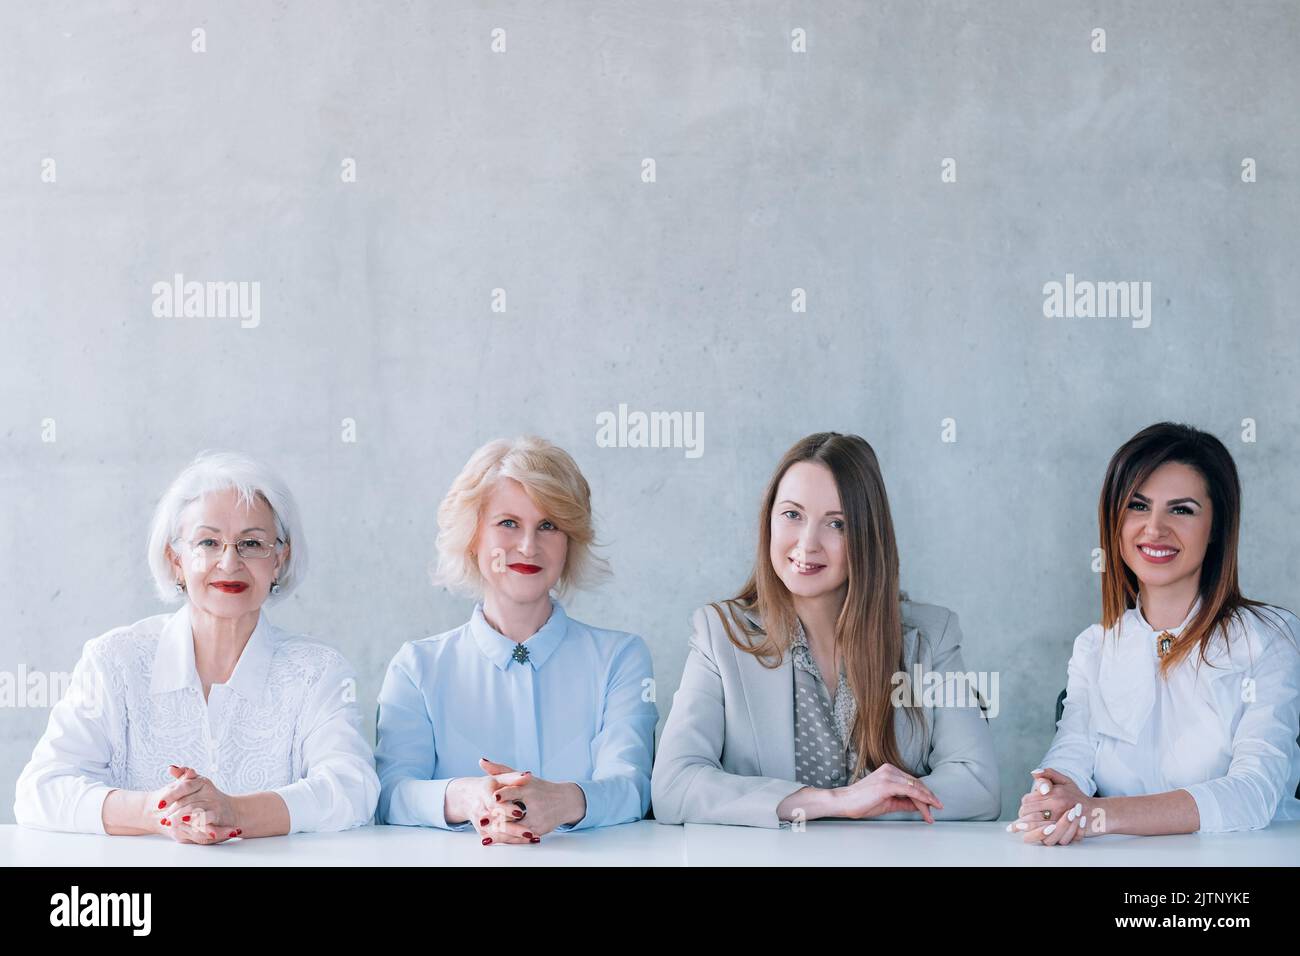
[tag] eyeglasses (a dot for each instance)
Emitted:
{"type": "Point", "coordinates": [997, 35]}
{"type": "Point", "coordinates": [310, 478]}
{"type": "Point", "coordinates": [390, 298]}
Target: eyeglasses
{"type": "Point", "coordinates": [210, 550]}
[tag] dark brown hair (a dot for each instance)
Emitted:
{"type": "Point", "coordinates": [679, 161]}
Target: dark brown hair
{"type": "Point", "coordinates": [1221, 597]}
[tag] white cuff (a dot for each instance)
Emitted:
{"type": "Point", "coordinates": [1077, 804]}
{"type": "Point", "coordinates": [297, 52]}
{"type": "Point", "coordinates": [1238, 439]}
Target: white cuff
{"type": "Point", "coordinates": [304, 815]}
{"type": "Point", "coordinates": [1207, 805]}
{"type": "Point", "coordinates": [88, 817]}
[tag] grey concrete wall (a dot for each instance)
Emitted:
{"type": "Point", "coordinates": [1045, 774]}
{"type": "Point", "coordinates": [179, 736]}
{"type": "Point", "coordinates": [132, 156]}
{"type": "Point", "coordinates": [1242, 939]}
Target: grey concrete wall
{"type": "Point", "coordinates": [774, 170]}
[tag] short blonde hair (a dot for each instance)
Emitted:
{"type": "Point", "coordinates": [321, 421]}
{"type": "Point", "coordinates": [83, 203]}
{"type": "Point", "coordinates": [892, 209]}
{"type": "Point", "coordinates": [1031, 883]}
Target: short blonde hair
{"type": "Point", "coordinates": [555, 484]}
{"type": "Point", "coordinates": [217, 471]}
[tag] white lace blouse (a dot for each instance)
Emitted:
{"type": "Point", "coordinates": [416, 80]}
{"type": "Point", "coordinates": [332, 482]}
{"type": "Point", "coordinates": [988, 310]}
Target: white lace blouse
{"type": "Point", "coordinates": [286, 721]}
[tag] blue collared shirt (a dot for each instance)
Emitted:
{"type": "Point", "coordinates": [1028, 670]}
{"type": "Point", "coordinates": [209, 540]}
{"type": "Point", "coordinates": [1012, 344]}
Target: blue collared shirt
{"type": "Point", "coordinates": [578, 708]}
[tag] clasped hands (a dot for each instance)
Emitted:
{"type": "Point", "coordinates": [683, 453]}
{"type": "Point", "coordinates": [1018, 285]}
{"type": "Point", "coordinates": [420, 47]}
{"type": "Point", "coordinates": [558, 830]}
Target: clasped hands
{"type": "Point", "coordinates": [1054, 812]}
{"type": "Point", "coordinates": [512, 806]}
{"type": "Point", "coordinates": [191, 809]}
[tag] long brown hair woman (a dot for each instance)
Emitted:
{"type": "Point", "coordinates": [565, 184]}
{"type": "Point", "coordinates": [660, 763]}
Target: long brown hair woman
{"type": "Point", "coordinates": [1181, 709]}
{"type": "Point", "coordinates": [799, 698]}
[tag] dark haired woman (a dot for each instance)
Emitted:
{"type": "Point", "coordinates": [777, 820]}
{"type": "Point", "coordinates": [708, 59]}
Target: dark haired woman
{"type": "Point", "coordinates": [1181, 707]}
{"type": "Point", "coordinates": [790, 706]}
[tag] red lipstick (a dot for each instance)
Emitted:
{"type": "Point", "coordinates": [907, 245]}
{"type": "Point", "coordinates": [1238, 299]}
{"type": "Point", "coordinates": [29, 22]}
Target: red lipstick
{"type": "Point", "coordinates": [524, 568]}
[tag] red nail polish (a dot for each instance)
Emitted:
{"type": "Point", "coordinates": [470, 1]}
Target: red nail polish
{"type": "Point", "coordinates": [185, 819]}
{"type": "Point", "coordinates": [161, 804]}
{"type": "Point", "coordinates": [535, 840]}
{"type": "Point", "coordinates": [163, 822]}
{"type": "Point", "coordinates": [233, 833]}
{"type": "Point", "coordinates": [497, 797]}
{"type": "Point", "coordinates": [212, 836]}
{"type": "Point", "coordinates": [487, 840]}
{"type": "Point", "coordinates": [483, 822]}
{"type": "Point", "coordinates": [519, 813]}
{"type": "Point", "coordinates": [239, 832]}
{"type": "Point", "coordinates": [528, 835]}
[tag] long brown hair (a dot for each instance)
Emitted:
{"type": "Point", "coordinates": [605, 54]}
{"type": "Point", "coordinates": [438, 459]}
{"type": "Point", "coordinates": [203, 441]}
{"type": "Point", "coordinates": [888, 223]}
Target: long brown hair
{"type": "Point", "coordinates": [1221, 598]}
{"type": "Point", "coordinates": [869, 629]}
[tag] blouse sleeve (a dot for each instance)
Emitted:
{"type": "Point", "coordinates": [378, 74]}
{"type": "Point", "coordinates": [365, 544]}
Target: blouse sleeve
{"type": "Point", "coordinates": [1073, 751]}
{"type": "Point", "coordinates": [1259, 775]}
{"type": "Point", "coordinates": [407, 752]}
{"type": "Point", "coordinates": [64, 785]}
{"type": "Point", "coordinates": [339, 787]}
{"type": "Point", "coordinates": [623, 749]}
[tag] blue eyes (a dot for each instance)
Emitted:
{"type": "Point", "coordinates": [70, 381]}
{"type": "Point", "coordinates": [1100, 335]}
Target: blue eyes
{"type": "Point", "coordinates": [512, 523]}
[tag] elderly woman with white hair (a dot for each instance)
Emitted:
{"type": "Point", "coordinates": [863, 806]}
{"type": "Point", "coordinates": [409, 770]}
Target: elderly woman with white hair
{"type": "Point", "coordinates": [522, 720]}
{"type": "Point", "coordinates": [208, 723]}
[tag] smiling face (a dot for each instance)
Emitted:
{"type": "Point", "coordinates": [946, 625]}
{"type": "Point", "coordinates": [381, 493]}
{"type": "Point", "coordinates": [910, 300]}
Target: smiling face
{"type": "Point", "coordinates": [520, 552]}
{"type": "Point", "coordinates": [1167, 526]}
{"type": "Point", "coordinates": [808, 548]}
{"type": "Point", "coordinates": [220, 582]}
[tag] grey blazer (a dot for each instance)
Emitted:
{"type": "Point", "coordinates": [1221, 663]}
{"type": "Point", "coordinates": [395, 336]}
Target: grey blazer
{"type": "Point", "coordinates": [726, 754]}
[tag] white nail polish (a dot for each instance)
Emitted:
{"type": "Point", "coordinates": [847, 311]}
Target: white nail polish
{"type": "Point", "coordinates": [1044, 787]}
{"type": "Point", "coordinates": [1049, 829]}
{"type": "Point", "coordinates": [1022, 826]}
{"type": "Point", "coordinates": [1036, 770]}
{"type": "Point", "coordinates": [1078, 809]}
{"type": "Point", "coordinates": [1072, 814]}
{"type": "Point", "coordinates": [1010, 827]}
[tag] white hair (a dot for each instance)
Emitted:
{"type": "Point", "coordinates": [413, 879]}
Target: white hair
{"type": "Point", "coordinates": [213, 471]}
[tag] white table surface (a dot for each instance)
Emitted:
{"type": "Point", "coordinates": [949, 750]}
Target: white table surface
{"type": "Point", "coordinates": [903, 843]}
{"type": "Point", "coordinates": [822, 843]}
{"type": "Point", "coordinates": [645, 843]}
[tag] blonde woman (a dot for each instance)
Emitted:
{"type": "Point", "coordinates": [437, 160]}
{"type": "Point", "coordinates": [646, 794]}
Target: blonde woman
{"type": "Point", "coordinates": [522, 720]}
{"type": "Point", "coordinates": [787, 708]}
{"type": "Point", "coordinates": [211, 722]}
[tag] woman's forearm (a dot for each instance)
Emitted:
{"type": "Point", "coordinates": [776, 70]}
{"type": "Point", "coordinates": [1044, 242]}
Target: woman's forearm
{"type": "Point", "coordinates": [455, 801]}
{"type": "Point", "coordinates": [261, 814]}
{"type": "Point", "coordinates": [124, 813]}
{"type": "Point", "coordinates": [1151, 815]}
{"type": "Point", "coordinates": [574, 804]}
{"type": "Point", "coordinates": [810, 803]}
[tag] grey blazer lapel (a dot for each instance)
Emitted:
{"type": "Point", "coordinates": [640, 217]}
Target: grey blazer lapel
{"type": "Point", "coordinates": [769, 696]}
{"type": "Point", "coordinates": [913, 740]}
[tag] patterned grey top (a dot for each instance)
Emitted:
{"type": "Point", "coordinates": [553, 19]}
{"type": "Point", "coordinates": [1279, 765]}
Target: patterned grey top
{"type": "Point", "coordinates": [823, 754]}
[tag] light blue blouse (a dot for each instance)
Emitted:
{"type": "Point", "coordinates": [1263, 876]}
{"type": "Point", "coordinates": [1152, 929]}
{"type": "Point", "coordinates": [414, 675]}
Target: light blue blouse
{"type": "Point", "coordinates": [579, 707]}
